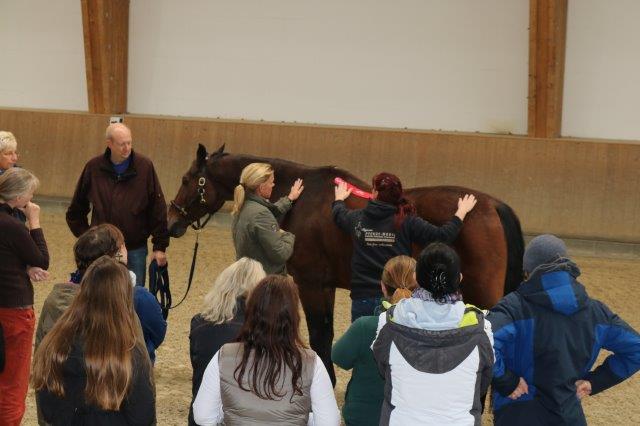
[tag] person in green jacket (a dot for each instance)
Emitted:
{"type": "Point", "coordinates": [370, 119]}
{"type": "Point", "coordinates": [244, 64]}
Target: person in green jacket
{"type": "Point", "coordinates": [255, 229]}
{"type": "Point", "coordinates": [365, 391]}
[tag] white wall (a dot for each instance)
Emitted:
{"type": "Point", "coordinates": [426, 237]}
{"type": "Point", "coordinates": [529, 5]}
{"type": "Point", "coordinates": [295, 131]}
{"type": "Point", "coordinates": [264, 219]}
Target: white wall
{"type": "Point", "coordinates": [42, 55]}
{"type": "Point", "coordinates": [428, 64]}
{"type": "Point", "coordinates": [602, 70]}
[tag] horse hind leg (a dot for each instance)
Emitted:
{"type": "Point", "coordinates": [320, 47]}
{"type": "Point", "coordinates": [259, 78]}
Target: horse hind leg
{"type": "Point", "coordinates": [318, 303]}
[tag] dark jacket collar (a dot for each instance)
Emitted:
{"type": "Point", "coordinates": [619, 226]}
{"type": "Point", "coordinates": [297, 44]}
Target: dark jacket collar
{"type": "Point", "coordinates": [107, 166]}
{"type": "Point", "coordinates": [6, 208]}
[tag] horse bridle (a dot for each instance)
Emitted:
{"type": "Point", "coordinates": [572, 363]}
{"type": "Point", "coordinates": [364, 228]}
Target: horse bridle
{"type": "Point", "coordinates": [195, 224]}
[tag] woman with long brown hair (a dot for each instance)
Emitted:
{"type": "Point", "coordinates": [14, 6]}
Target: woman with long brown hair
{"type": "Point", "coordinates": [92, 367]}
{"type": "Point", "coordinates": [268, 376]}
{"type": "Point", "coordinates": [388, 226]}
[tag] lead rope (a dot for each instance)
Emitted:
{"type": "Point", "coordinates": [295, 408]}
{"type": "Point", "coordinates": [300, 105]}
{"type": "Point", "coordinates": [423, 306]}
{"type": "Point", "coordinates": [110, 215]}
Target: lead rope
{"type": "Point", "coordinates": [193, 265]}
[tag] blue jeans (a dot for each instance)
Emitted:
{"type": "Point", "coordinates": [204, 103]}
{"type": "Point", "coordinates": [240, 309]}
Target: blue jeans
{"type": "Point", "coordinates": [364, 307]}
{"type": "Point", "coordinates": [137, 263]}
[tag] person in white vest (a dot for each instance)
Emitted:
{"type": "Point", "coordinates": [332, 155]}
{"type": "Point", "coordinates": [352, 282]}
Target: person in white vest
{"type": "Point", "coordinates": [267, 376]}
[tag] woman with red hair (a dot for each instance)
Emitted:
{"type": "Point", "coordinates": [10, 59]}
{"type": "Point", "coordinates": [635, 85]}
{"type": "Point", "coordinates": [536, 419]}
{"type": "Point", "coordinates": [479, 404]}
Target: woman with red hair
{"type": "Point", "coordinates": [385, 228]}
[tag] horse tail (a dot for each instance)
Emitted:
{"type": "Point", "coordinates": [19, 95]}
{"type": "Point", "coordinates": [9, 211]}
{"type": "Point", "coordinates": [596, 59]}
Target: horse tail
{"type": "Point", "coordinates": [515, 246]}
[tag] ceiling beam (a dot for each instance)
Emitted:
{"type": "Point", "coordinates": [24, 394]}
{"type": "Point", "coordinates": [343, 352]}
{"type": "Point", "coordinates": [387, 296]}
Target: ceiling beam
{"type": "Point", "coordinates": [105, 25]}
{"type": "Point", "coordinates": [547, 43]}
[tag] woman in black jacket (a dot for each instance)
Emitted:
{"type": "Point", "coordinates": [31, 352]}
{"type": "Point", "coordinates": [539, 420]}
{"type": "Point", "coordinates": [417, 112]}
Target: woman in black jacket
{"type": "Point", "coordinates": [221, 317]}
{"type": "Point", "coordinates": [93, 368]}
{"type": "Point", "coordinates": [386, 228]}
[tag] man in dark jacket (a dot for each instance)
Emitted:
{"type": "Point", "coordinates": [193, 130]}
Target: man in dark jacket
{"type": "Point", "coordinates": [547, 336]}
{"type": "Point", "coordinates": [121, 187]}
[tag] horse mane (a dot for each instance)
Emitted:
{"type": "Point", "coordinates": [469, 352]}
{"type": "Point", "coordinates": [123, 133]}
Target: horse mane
{"type": "Point", "coordinates": [285, 168]}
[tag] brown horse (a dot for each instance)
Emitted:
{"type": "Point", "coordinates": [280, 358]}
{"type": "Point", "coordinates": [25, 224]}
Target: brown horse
{"type": "Point", "coordinates": [490, 243]}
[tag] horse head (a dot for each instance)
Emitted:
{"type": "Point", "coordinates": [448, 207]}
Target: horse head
{"type": "Point", "coordinates": [198, 195]}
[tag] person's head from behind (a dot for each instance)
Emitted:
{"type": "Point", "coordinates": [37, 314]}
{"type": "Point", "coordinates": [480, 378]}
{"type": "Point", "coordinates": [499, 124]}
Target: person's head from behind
{"type": "Point", "coordinates": [399, 278]}
{"type": "Point", "coordinates": [271, 331]}
{"type": "Point", "coordinates": [8, 150]}
{"type": "Point", "coordinates": [102, 316]}
{"type": "Point", "coordinates": [119, 141]}
{"type": "Point", "coordinates": [543, 250]}
{"type": "Point", "coordinates": [101, 240]}
{"type": "Point", "coordinates": [17, 186]}
{"type": "Point", "coordinates": [235, 281]}
{"type": "Point", "coordinates": [388, 189]}
{"type": "Point", "coordinates": [257, 178]}
{"type": "Point", "coordinates": [438, 271]}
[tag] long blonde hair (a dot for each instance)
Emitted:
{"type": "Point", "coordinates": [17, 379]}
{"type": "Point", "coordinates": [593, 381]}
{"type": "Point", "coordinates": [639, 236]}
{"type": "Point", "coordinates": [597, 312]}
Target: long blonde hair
{"type": "Point", "coordinates": [102, 317]}
{"type": "Point", "coordinates": [238, 279]}
{"type": "Point", "coordinates": [251, 177]}
{"type": "Point", "coordinates": [398, 277]}
{"type": "Point", "coordinates": [15, 182]}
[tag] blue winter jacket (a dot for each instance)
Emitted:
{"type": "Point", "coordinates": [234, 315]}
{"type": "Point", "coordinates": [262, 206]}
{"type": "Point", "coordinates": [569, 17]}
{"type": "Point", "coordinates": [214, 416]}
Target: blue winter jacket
{"type": "Point", "coordinates": [154, 326]}
{"type": "Point", "coordinates": [549, 331]}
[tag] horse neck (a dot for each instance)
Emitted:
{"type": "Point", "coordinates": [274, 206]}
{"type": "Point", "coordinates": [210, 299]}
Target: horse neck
{"type": "Point", "coordinates": [226, 171]}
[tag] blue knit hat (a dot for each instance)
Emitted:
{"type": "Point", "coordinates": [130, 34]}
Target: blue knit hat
{"type": "Point", "coordinates": [543, 249]}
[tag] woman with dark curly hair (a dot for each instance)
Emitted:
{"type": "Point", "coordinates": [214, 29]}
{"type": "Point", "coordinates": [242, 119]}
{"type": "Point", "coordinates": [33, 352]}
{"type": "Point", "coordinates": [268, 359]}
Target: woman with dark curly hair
{"type": "Point", "coordinates": [268, 376]}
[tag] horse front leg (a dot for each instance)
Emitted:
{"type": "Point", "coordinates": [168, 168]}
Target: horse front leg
{"type": "Point", "coordinates": [318, 302]}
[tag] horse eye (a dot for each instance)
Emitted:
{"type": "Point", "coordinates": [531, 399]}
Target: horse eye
{"type": "Point", "coordinates": [185, 180]}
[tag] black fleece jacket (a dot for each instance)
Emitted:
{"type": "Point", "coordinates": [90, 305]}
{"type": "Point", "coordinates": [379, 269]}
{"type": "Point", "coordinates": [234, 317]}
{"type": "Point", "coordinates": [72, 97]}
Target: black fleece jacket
{"type": "Point", "coordinates": [376, 240]}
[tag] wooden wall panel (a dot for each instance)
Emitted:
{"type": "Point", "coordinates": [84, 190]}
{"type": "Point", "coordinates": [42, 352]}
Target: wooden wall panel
{"type": "Point", "coordinates": [571, 187]}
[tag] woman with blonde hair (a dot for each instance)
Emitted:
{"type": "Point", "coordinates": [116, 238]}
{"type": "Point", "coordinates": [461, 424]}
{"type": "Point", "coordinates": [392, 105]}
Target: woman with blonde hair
{"type": "Point", "coordinates": [255, 230]}
{"type": "Point", "coordinates": [267, 376]}
{"type": "Point", "coordinates": [221, 317]}
{"type": "Point", "coordinates": [20, 246]}
{"type": "Point", "coordinates": [92, 367]}
{"type": "Point", "coordinates": [365, 391]}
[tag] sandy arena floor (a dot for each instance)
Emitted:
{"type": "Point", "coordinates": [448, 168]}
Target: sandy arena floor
{"type": "Point", "coordinates": [613, 281]}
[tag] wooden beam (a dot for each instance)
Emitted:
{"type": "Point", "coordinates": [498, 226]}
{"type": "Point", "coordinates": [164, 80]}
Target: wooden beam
{"type": "Point", "coordinates": [105, 26]}
{"type": "Point", "coordinates": [547, 42]}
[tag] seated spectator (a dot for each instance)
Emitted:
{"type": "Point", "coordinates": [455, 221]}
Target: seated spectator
{"type": "Point", "coordinates": [434, 352]}
{"type": "Point", "coordinates": [364, 396]}
{"type": "Point", "coordinates": [221, 317]}
{"type": "Point", "coordinates": [548, 334]}
{"type": "Point", "coordinates": [101, 240]}
{"type": "Point", "coordinates": [268, 376]}
{"type": "Point", "coordinates": [92, 368]}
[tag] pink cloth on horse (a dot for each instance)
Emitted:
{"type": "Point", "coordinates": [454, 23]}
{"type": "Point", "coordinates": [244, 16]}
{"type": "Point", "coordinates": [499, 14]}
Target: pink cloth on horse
{"type": "Point", "coordinates": [354, 190]}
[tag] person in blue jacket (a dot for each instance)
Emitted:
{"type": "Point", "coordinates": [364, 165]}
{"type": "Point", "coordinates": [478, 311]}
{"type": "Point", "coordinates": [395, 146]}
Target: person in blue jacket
{"type": "Point", "coordinates": [547, 336]}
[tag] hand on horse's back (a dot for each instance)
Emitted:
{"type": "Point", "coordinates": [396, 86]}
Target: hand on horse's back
{"type": "Point", "coordinates": [465, 205]}
{"type": "Point", "coordinates": [296, 190]}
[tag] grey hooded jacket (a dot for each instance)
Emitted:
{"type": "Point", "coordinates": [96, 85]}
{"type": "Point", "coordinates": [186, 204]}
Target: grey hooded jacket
{"type": "Point", "coordinates": [434, 376]}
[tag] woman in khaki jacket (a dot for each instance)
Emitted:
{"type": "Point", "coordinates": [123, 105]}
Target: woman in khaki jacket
{"type": "Point", "coordinates": [256, 233]}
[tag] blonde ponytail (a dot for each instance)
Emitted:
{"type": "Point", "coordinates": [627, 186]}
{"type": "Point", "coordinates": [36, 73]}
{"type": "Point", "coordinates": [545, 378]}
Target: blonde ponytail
{"type": "Point", "coordinates": [398, 277]}
{"type": "Point", "coordinates": [251, 177]}
{"type": "Point", "coordinates": [238, 200]}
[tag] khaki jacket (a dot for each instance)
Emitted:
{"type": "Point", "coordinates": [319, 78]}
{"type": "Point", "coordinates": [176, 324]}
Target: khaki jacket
{"type": "Point", "coordinates": [257, 235]}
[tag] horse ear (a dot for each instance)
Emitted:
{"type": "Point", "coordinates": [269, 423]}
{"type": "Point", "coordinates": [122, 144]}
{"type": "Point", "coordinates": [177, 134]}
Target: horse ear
{"type": "Point", "coordinates": [220, 150]}
{"type": "Point", "coordinates": [201, 154]}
